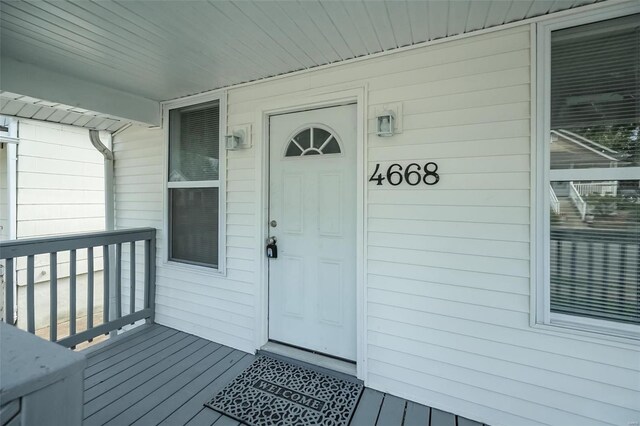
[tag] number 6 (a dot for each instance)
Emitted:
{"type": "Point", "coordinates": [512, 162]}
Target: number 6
{"type": "Point", "coordinates": [408, 173]}
{"type": "Point", "coordinates": [391, 173]}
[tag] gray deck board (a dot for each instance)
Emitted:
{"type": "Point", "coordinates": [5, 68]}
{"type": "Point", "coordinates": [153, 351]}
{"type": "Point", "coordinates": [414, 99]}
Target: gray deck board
{"type": "Point", "coordinates": [416, 415]}
{"type": "Point", "coordinates": [117, 364]}
{"type": "Point", "coordinates": [368, 408]}
{"type": "Point", "coordinates": [163, 376]}
{"type": "Point", "coordinates": [187, 410]}
{"type": "Point", "coordinates": [133, 371]}
{"type": "Point", "coordinates": [195, 390]}
{"type": "Point", "coordinates": [126, 349]}
{"type": "Point", "coordinates": [226, 421]}
{"type": "Point", "coordinates": [442, 418]}
{"type": "Point", "coordinates": [205, 417]}
{"type": "Point", "coordinates": [120, 397]}
{"type": "Point", "coordinates": [463, 421]}
{"type": "Point", "coordinates": [139, 409]}
{"type": "Point", "coordinates": [169, 372]}
{"type": "Point", "coordinates": [124, 344]}
{"type": "Point", "coordinates": [392, 411]}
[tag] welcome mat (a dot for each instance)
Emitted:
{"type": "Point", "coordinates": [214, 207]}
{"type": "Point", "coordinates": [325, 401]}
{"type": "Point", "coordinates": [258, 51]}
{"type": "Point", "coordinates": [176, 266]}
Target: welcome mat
{"type": "Point", "coordinates": [271, 392]}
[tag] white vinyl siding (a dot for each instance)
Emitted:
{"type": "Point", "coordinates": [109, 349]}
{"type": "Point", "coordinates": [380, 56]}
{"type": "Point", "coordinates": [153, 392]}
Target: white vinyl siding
{"type": "Point", "coordinates": [60, 190]}
{"type": "Point", "coordinates": [216, 308]}
{"type": "Point", "coordinates": [60, 180]}
{"type": "Point", "coordinates": [448, 267]}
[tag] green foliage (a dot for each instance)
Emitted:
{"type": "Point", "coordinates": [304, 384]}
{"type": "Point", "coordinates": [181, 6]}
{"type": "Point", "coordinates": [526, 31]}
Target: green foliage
{"type": "Point", "coordinates": [631, 208]}
{"type": "Point", "coordinates": [603, 206]}
{"type": "Point", "coordinates": [623, 138]}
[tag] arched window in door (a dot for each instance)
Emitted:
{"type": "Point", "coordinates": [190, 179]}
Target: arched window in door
{"type": "Point", "coordinates": [312, 141]}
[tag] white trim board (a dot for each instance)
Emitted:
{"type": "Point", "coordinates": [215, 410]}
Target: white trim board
{"type": "Point", "coordinates": [292, 103]}
{"type": "Point", "coordinates": [310, 357]}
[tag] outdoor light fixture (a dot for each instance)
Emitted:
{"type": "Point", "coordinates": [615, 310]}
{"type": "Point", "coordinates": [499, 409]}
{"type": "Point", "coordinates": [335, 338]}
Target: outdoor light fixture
{"type": "Point", "coordinates": [237, 140]}
{"type": "Point", "coordinates": [233, 141]}
{"type": "Point", "coordinates": [385, 124]}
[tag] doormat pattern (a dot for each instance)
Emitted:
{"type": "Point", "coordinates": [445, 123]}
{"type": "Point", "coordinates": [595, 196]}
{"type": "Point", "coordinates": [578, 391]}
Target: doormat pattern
{"type": "Point", "coordinates": [271, 392]}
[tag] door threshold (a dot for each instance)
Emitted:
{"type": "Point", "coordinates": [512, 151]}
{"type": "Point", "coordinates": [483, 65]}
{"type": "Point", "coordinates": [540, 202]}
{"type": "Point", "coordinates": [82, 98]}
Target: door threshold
{"type": "Point", "coordinates": [314, 358]}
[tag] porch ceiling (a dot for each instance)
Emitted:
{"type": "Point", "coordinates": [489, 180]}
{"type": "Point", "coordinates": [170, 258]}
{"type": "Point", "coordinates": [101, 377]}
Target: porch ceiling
{"type": "Point", "coordinates": [165, 50]}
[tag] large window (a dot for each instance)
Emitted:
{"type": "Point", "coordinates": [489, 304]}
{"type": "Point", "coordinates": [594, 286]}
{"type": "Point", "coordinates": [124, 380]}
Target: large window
{"type": "Point", "coordinates": [591, 157]}
{"type": "Point", "coordinates": [194, 184]}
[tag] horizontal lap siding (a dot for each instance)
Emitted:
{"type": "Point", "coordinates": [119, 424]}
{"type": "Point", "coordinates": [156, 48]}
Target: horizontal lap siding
{"type": "Point", "coordinates": [60, 181]}
{"type": "Point", "coordinates": [447, 272]}
{"type": "Point", "coordinates": [216, 308]}
{"type": "Point", "coordinates": [448, 265]}
{"type": "Point", "coordinates": [60, 190]}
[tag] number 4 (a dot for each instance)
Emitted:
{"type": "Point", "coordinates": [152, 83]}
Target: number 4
{"type": "Point", "coordinates": [379, 178]}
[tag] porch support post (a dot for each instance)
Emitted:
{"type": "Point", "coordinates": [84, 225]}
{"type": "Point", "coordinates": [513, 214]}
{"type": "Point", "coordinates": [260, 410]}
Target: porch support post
{"type": "Point", "coordinates": [12, 207]}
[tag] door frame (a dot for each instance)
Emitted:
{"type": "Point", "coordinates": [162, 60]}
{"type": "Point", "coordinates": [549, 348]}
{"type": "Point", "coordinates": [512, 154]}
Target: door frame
{"type": "Point", "coordinates": [288, 104]}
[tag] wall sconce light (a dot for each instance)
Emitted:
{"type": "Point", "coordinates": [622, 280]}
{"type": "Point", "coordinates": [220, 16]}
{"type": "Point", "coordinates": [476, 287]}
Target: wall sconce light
{"type": "Point", "coordinates": [233, 141]}
{"type": "Point", "coordinates": [237, 140]}
{"type": "Point", "coordinates": [385, 124]}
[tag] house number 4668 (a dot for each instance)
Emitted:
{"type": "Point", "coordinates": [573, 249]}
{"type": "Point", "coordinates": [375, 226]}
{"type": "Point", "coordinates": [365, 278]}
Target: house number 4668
{"type": "Point", "coordinates": [414, 174]}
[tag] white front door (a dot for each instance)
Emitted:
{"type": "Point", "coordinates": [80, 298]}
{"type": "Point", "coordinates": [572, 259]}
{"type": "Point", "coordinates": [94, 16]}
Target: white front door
{"type": "Point", "coordinates": [312, 213]}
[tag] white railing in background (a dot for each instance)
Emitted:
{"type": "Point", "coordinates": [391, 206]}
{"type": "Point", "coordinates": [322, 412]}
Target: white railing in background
{"type": "Point", "coordinates": [592, 273]}
{"type": "Point", "coordinates": [577, 199]}
{"type": "Point", "coordinates": [597, 188]}
{"type": "Point", "coordinates": [555, 204]}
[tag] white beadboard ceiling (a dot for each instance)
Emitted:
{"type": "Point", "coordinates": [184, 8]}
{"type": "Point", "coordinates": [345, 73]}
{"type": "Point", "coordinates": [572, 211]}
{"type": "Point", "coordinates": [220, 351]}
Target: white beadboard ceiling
{"type": "Point", "coordinates": [160, 50]}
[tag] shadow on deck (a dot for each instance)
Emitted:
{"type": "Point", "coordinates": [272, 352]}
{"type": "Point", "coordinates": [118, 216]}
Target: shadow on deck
{"type": "Point", "coordinates": [157, 375]}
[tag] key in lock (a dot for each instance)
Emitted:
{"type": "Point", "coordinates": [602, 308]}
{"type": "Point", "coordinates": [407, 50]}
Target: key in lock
{"type": "Point", "coordinates": [272, 248]}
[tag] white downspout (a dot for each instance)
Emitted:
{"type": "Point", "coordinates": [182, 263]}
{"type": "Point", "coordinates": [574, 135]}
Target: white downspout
{"type": "Point", "coordinates": [109, 212]}
{"type": "Point", "coordinates": [109, 207]}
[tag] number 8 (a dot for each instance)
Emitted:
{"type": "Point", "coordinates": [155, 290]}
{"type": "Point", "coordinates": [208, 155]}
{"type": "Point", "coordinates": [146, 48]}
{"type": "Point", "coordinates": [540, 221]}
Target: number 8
{"type": "Point", "coordinates": [430, 173]}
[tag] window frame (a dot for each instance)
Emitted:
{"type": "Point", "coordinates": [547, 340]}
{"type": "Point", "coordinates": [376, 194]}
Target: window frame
{"type": "Point", "coordinates": [542, 175]}
{"type": "Point", "coordinates": [167, 106]}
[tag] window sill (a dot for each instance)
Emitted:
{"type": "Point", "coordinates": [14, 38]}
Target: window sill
{"type": "Point", "coordinates": [580, 331]}
{"type": "Point", "coordinates": [194, 269]}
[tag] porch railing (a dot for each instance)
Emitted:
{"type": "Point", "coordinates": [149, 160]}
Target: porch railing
{"type": "Point", "coordinates": [577, 199]}
{"type": "Point", "coordinates": [113, 319]}
{"type": "Point", "coordinates": [555, 204]}
{"type": "Point", "coordinates": [597, 188]}
{"type": "Point", "coordinates": [595, 273]}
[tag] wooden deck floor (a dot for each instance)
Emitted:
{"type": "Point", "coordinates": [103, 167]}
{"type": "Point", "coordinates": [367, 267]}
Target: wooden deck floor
{"type": "Point", "coordinates": [162, 376]}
